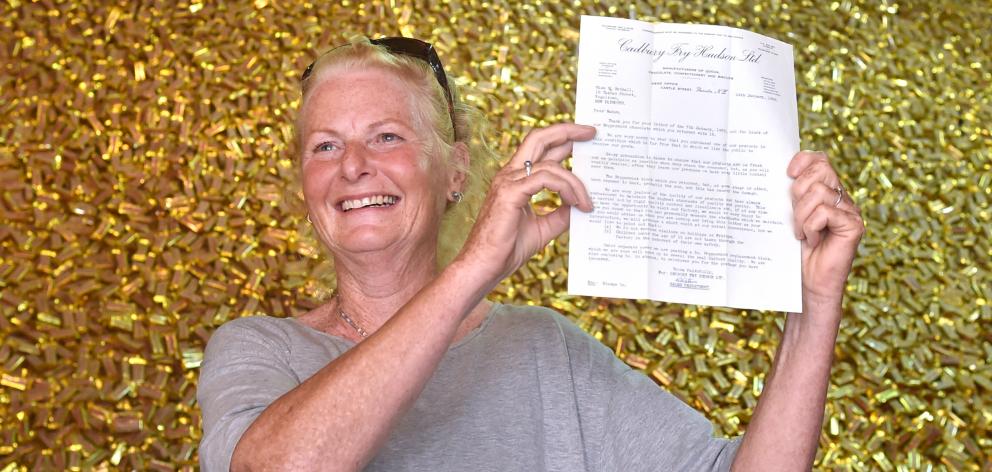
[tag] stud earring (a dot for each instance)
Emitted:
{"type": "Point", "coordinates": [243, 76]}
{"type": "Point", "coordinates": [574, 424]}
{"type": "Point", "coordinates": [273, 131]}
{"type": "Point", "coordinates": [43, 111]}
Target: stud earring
{"type": "Point", "coordinates": [457, 196]}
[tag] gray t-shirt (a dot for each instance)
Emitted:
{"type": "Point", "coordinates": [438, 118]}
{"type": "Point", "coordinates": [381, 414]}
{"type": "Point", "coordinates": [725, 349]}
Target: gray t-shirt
{"type": "Point", "coordinates": [526, 390]}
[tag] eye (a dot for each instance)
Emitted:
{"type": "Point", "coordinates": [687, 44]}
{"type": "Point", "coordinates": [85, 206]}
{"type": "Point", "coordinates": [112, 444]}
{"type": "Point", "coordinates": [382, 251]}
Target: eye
{"type": "Point", "coordinates": [326, 146]}
{"type": "Point", "coordinates": [389, 138]}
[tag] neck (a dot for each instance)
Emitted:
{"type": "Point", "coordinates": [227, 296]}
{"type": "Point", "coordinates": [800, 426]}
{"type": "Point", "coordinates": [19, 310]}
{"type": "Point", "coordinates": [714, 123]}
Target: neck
{"type": "Point", "coordinates": [372, 287]}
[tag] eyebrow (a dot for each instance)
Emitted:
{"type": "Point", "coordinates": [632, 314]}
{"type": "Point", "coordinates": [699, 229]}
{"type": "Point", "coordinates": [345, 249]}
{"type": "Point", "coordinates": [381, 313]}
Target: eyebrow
{"type": "Point", "coordinates": [386, 122]}
{"type": "Point", "coordinates": [371, 126]}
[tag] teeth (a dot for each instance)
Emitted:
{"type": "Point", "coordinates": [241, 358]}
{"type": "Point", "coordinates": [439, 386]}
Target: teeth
{"type": "Point", "coordinates": [368, 201]}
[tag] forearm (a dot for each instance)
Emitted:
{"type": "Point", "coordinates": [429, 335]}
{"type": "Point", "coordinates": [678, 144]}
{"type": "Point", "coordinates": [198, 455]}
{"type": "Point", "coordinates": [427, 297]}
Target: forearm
{"type": "Point", "coordinates": [785, 429]}
{"type": "Point", "coordinates": [339, 417]}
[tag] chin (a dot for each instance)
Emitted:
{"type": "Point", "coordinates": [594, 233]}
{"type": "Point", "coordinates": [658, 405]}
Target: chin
{"type": "Point", "coordinates": [366, 239]}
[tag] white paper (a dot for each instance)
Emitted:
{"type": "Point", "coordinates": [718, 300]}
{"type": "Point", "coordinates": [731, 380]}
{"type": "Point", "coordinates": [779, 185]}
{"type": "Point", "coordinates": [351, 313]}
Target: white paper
{"type": "Point", "coordinates": [696, 125]}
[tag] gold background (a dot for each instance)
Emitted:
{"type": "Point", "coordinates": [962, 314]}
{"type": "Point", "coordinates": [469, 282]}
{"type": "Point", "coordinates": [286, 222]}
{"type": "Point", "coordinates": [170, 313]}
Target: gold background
{"type": "Point", "coordinates": [145, 163]}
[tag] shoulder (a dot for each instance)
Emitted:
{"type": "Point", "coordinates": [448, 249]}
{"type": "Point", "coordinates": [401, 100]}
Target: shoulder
{"type": "Point", "coordinates": [259, 323]}
{"type": "Point", "coordinates": [282, 340]}
{"type": "Point", "coordinates": [543, 323]}
{"type": "Point", "coordinates": [258, 335]}
{"type": "Point", "coordinates": [253, 329]}
{"type": "Point", "coordinates": [527, 317]}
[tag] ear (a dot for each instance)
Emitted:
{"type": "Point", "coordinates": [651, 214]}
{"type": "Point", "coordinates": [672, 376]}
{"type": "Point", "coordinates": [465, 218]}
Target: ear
{"type": "Point", "coordinates": [461, 160]}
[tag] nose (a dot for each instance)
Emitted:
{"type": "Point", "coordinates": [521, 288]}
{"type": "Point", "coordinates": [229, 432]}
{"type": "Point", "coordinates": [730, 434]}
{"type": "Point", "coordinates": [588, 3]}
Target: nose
{"type": "Point", "coordinates": [356, 163]}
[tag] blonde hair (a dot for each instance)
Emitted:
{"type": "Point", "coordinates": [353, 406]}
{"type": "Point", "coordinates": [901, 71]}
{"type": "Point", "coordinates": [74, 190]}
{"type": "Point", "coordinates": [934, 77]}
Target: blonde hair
{"type": "Point", "coordinates": [431, 112]}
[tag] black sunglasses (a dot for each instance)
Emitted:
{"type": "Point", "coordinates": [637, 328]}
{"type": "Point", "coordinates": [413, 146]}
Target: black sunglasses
{"type": "Point", "coordinates": [414, 48]}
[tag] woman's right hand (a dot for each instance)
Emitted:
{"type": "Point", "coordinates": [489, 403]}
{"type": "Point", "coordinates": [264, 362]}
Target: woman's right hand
{"type": "Point", "coordinates": [507, 232]}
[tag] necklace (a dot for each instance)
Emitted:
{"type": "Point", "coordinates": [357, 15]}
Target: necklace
{"type": "Point", "coordinates": [347, 319]}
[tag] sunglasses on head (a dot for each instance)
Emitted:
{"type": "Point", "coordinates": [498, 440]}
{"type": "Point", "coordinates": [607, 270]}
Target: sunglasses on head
{"type": "Point", "coordinates": [414, 48]}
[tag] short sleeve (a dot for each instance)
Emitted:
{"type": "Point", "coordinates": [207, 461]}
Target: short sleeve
{"type": "Point", "coordinates": [629, 423]}
{"type": "Point", "coordinates": [245, 369]}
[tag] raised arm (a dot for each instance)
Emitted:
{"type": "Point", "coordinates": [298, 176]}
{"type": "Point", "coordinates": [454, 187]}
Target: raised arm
{"type": "Point", "coordinates": [338, 418]}
{"type": "Point", "coordinates": [787, 421]}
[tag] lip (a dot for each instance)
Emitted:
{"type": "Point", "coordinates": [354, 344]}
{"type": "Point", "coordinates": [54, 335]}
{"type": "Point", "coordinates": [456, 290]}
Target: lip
{"type": "Point", "coordinates": [338, 204]}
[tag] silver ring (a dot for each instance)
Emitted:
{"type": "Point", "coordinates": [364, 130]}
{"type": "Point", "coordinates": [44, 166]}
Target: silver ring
{"type": "Point", "coordinates": [527, 167]}
{"type": "Point", "coordinates": [840, 195]}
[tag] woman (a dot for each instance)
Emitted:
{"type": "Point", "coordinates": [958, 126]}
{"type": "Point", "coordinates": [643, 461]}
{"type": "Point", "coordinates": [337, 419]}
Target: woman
{"type": "Point", "coordinates": [408, 367]}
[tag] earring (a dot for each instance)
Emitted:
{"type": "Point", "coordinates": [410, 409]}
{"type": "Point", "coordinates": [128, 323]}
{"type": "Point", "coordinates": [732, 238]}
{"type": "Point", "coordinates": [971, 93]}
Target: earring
{"type": "Point", "coordinates": [457, 196]}
{"type": "Point", "coordinates": [308, 219]}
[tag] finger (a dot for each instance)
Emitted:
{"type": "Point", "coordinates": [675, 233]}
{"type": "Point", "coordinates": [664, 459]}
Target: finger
{"type": "Point", "coordinates": [818, 194]}
{"type": "Point", "coordinates": [551, 177]}
{"type": "Point", "coordinates": [827, 220]}
{"type": "Point", "coordinates": [567, 187]}
{"type": "Point", "coordinates": [579, 195]}
{"type": "Point", "coordinates": [558, 153]}
{"type": "Point", "coordinates": [540, 140]}
{"type": "Point", "coordinates": [816, 172]}
{"type": "Point", "coordinates": [802, 160]}
{"type": "Point", "coordinates": [575, 193]}
{"type": "Point", "coordinates": [555, 154]}
{"type": "Point", "coordinates": [554, 223]}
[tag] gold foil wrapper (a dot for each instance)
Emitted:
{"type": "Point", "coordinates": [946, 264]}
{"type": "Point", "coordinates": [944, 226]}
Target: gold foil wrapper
{"type": "Point", "coordinates": [149, 195]}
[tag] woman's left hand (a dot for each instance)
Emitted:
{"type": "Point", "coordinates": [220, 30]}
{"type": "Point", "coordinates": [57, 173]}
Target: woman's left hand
{"type": "Point", "coordinates": [829, 224]}
{"type": "Point", "coordinates": [788, 419]}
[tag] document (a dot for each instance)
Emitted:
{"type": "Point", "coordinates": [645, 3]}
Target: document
{"type": "Point", "coordinates": [696, 125]}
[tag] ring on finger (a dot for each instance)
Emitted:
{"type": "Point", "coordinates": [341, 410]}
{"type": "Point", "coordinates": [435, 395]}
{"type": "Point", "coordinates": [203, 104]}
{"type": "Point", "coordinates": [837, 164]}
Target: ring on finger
{"type": "Point", "coordinates": [527, 167]}
{"type": "Point", "coordinates": [840, 194]}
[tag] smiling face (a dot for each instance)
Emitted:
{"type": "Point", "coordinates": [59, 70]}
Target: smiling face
{"type": "Point", "coordinates": [367, 182]}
